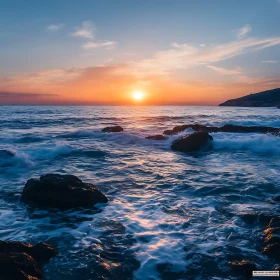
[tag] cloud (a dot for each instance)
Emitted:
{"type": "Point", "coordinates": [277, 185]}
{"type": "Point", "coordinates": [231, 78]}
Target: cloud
{"type": "Point", "coordinates": [22, 94]}
{"type": "Point", "coordinates": [225, 71]}
{"type": "Point", "coordinates": [258, 81]}
{"type": "Point", "coordinates": [93, 45]}
{"type": "Point", "coordinates": [184, 56]}
{"type": "Point", "coordinates": [24, 98]}
{"type": "Point", "coordinates": [270, 61]}
{"type": "Point", "coordinates": [85, 31]}
{"type": "Point", "coordinates": [109, 85]}
{"type": "Point", "coordinates": [55, 27]}
{"type": "Point", "coordinates": [241, 32]}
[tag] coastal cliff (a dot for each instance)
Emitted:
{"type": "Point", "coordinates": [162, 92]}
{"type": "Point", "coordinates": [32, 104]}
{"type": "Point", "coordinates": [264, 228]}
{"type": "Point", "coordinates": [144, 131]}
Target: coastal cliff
{"type": "Point", "coordinates": [268, 98]}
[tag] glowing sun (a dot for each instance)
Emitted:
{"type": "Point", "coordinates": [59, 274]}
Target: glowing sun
{"type": "Point", "coordinates": [138, 95]}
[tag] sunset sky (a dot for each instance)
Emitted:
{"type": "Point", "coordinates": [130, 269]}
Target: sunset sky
{"type": "Point", "coordinates": [190, 52]}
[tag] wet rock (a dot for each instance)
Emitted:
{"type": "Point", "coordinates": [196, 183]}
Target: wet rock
{"type": "Point", "coordinates": [248, 129]}
{"type": "Point", "coordinates": [156, 137]}
{"type": "Point", "coordinates": [272, 250]}
{"type": "Point", "coordinates": [256, 217]}
{"type": "Point", "coordinates": [243, 268]}
{"type": "Point", "coordinates": [191, 143]}
{"type": "Point", "coordinates": [61, 191]}
{"type": "Point", "coordinates": [22, 261]}
{"type": "Point", "coordinates": [226, 128]}
{"type": "Point", "coordinates": [272, 238]}
{"type": "Point", "coordinates": [168, 132]}
{"type": "Point", "coordinates": [195, 127]}
{"type": "Point", "coordinates": [116, 128]}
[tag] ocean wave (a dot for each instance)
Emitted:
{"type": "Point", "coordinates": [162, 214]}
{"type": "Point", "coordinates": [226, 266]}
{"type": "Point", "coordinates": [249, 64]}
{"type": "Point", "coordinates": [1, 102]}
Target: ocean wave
{"type": "Point", "coordinates": [253, 122]}
{"type": "Point", "coordinates": [13, 158]}
{"type": "Point", "coordinates": [259, 143]}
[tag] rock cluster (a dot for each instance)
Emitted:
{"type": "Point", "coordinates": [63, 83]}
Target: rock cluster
{"type": "Point", "coordinates": [22, 261]}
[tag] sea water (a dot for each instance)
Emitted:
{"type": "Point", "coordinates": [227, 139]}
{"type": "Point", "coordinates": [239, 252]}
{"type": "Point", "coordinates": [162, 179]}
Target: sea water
{"type": "Point", "coordinates": [170, 215]}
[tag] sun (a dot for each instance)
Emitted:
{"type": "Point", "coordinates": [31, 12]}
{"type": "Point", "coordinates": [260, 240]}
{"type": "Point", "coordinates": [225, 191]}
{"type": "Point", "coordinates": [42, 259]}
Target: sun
{"type": "Point", "coordinates": [138, 95]}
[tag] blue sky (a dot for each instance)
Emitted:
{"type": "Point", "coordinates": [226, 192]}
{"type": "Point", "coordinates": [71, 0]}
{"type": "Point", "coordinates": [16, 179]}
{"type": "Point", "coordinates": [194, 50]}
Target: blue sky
{"type": "Point", "coordinates": [43, 36]}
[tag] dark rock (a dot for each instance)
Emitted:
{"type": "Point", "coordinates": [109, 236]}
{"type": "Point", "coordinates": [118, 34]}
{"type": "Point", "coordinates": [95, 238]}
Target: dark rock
{"type": "Point", "coordinates": [192, 142]}
{"type": "Point", "coordinates": [248, 129]}
{"type": "Point", "coordinates": [116, 128]}
{"type": "Point", "coordinates": [168, 132]}
{"type": "Point", "coordinates": [61, 191]}
{"type": "Point", "coordinates": [244, 268]}
{"type": "Point", "coordinates": [256, 217]}
{"type": "Point", "coordinates": [156, 137]}
{"type": "Point", "coordinates": [272, 238]}
{"type": "Point", "coordinates": [274, 222]}
{"type": "Point", "coordinates": [22, 261]}
{"type": "Point", "coordinates": [226, 128]}
{"type": "Point", "coordinates": [272, 250]}
{"type": "Point", "coordinates": [42, 252]}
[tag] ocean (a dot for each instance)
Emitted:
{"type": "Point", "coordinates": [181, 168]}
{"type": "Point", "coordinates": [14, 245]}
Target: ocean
{"type": "Point", "coordinates": [170, 215]}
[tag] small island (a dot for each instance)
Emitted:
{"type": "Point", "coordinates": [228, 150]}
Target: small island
{"type": "Point", "coordinates": [268, 98]}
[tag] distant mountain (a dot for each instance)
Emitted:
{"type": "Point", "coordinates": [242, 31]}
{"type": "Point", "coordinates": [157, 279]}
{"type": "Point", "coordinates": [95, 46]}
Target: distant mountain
{"type": "Point", "coordinates": [268, 98]}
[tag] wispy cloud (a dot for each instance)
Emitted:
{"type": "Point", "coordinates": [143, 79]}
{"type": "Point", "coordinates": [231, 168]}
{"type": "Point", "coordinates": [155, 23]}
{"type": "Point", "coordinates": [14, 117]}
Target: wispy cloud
{"type": "Point", "coordinates": [225, 71]}
{"type": "Point", "coordinates": [85, 31]}
{"type": "Point", "coordinates": [108, 45]}
{"type": "Point", "coordinates": [55, 27]}
{"type": "Point", "coordinates": [184, 56]}
{"type": "Point", "coordinates": [270, 61]}
{"type": "Point", "coordinates": [241, 32]}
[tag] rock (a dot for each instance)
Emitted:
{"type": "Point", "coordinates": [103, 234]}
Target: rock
{"type": "Point", "coordinates": [22, 261]}
{"type": "Point", "coordinates": [272, 250]}
{"type": "Point", "coordinates": [256, 216]}
{"type": "Point", "coordinates": [168, 132]}
{"type": "Point", "coordinates": [196, 127]}
{"type": "Point", "coordinates": [61, 191]}
{"type": "Point", "coordinates": [248, 129]}
{"type": "Point", "coordinates": [116, 128]}
{"type": "Point", "coordinates": [244, 268]}
{"type": "Point", "coordinates": [226, 128]}
{"type": "Point", "coordinates": [272, 238]}
{"type": "Point", "coordinates": [191, 143]}
{"type": "Point", "coordinates": [156, 137]}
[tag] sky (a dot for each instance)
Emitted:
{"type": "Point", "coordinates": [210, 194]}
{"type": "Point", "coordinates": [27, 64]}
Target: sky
{"type": "Point", "coordinates": [176, 52]}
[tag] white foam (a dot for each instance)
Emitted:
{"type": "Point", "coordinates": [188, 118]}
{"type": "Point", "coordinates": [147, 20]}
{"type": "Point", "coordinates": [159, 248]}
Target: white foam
{"type": "Point", "coordinates": [260, 143]}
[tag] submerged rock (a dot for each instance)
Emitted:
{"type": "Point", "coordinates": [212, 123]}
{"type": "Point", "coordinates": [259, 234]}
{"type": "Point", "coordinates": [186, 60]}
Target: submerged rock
{"type": "Point", "coordinates": [156, 137]}
{"type": "Point", "coordinates": [191, 143]}
{"type": "Point", "coordinates": [244, 268]}
{"type": "Point", "coordinates": [116, 128]}
{"type": "Point", "coordinates": [61, 191]}
{"type": "Point", "coordinates": [22, 261]}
